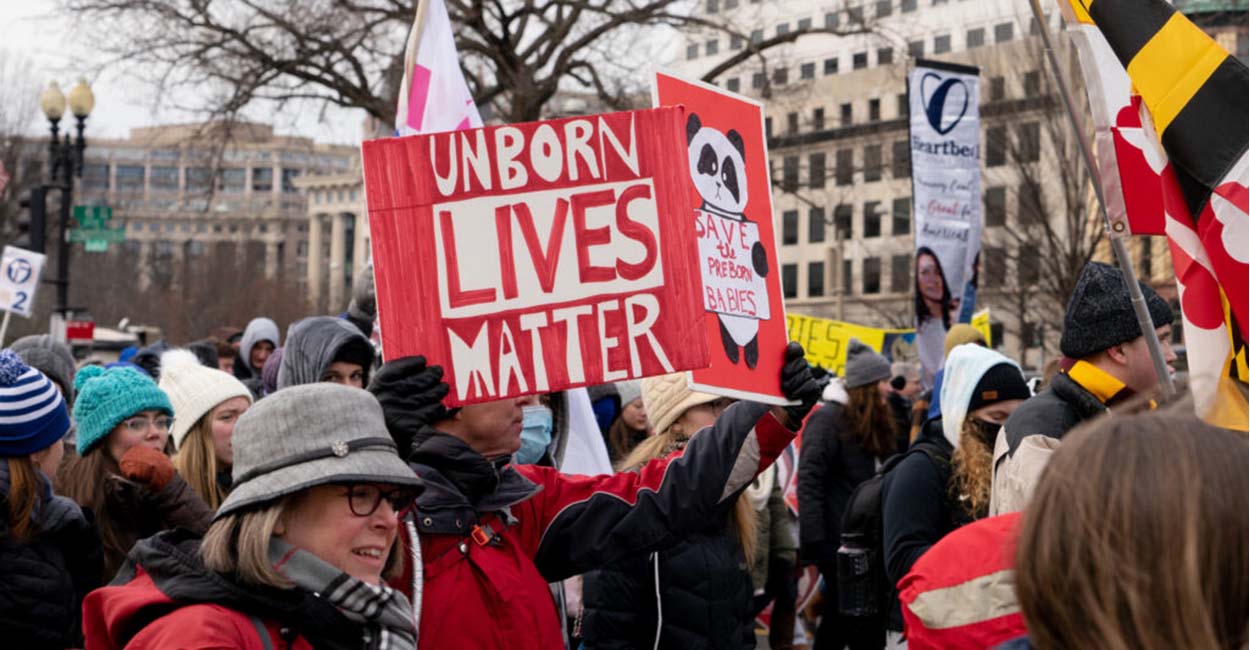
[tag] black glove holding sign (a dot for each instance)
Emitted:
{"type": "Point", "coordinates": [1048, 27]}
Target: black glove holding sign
{"type": "Point", "coordinates": [411, 394]}
{"type": "Point", "coordinates": [798, 384]}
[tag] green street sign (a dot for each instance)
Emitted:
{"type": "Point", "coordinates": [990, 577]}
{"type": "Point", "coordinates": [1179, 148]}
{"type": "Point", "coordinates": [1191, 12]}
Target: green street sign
{"type": "Point", "coordinates": [96, 246]}
{"type": "Point", "coordinates": [103, 234]}
{"type": "Point", "coordinates": [93, 217]}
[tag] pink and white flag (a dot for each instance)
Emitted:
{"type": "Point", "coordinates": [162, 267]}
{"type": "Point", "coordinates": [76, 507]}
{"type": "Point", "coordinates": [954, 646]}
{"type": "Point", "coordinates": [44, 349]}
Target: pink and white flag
{"type": "Point", "coordinates": [434, 96]}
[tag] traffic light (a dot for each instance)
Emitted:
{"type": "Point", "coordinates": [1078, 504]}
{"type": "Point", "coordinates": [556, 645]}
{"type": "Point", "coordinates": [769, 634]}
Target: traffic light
{"type": "Point", "coordinates": [33, 220]}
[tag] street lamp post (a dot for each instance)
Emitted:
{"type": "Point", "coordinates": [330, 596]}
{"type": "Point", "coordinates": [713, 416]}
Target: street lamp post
{"type": "Point", "coordinates": [65, 163]}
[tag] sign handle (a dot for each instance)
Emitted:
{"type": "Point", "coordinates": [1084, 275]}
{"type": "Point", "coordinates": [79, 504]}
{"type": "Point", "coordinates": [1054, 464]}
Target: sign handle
{"type": "Point", "coordinates": [4, 326]}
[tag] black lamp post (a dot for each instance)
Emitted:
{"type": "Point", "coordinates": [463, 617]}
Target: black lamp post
{"type": "Point", "coordinates": [65, 161]}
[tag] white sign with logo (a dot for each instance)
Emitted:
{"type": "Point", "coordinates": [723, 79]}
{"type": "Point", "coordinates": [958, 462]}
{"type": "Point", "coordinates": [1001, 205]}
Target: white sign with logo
{"type": "Point", "coordinates": [19, 278]}
{"type": "Point", "coordinates": [946, 199]}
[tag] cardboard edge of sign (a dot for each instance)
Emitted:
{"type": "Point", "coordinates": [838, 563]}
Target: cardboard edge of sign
{"type": "Point", "coordinates": [734, 393]}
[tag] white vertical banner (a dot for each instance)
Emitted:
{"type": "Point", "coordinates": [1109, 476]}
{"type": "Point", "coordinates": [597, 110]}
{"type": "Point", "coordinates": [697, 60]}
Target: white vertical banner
{"type": "Point", "coordinates": [945, 132]}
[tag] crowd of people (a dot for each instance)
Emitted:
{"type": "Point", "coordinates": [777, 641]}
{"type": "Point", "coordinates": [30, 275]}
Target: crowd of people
{"type": "Point", "coordinates": [254, 490]}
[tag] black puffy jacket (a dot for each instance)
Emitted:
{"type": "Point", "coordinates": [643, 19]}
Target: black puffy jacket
{"type": "Point", "coordinates": [43, 581]}
{"type": "Point", "coordinates": [704, 596]}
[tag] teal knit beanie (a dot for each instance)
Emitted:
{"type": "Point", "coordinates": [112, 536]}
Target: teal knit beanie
{"type": "Point", "coordinates": [106, 397]}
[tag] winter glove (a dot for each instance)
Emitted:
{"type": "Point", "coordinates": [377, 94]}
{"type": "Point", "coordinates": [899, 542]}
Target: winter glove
{"type": "Point", "coordinates": [148, 466]}
{"type": "Point", "coordinates": [411, 394]}
{"type": "Point", "coordinates": [797, 383]}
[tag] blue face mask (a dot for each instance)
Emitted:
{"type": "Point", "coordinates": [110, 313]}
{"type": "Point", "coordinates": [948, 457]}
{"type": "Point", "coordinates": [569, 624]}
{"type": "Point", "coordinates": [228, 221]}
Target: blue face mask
{"type": "Point", "coordinates": [536, 422]}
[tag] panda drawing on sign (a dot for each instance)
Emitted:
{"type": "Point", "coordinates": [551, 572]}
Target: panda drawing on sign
{"type": "Point", "coordinates": [719, 173]}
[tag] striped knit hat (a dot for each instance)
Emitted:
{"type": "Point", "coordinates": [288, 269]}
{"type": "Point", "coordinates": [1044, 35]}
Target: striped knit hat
{"type": "Point", "coordinates": [32, 411]}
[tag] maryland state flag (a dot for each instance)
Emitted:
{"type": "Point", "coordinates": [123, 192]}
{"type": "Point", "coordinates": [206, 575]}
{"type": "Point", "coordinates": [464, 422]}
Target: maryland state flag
{"type": "Point", "coordinates": [1170, 112]}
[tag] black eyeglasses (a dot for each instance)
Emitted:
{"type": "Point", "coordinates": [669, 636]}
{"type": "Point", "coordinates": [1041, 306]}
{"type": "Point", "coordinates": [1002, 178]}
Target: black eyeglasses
{"type": "Point", "coordinates": [364, 499]}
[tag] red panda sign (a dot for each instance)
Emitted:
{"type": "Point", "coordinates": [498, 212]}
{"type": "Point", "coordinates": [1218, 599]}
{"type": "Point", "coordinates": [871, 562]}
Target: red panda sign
{"type": "Point", "coordinates": [535, 257]}
{"type": "Point", "coordinates": [731, 208]}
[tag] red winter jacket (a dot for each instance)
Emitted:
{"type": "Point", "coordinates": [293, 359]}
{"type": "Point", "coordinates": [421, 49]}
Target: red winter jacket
{"type": "Point", "coordinates": [961, 593]}
{"type": "Point", "coordinates": [493, 535]}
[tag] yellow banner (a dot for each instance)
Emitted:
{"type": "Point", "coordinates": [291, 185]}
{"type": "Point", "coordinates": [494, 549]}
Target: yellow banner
{"type": "Point", "coordinates": [825, 340]}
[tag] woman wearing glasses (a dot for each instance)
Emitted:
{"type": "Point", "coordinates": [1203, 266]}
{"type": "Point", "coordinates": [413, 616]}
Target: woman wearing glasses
{"type": "Point", "coordinates": [123, 473]}
{"type": "Point", "coordinates": [697, 594]}
{"type": "Point", "coordinates": [298, 555]}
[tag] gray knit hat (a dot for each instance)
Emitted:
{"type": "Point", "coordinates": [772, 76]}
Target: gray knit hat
{"type": "Point", "coordinates": [310, 435]}
{"type": "Point", "coordinates": [864, 366]}
{"type": "Point", "coordinates": [629, 390]}
{"type": "Point", "coordinates": [53, 359]}
{"type": "Point", "coordinates": [1100, 313]}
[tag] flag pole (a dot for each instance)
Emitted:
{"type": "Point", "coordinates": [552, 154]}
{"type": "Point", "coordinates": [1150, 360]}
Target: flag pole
{"type": "Point", "coordinates": [1117, 240]}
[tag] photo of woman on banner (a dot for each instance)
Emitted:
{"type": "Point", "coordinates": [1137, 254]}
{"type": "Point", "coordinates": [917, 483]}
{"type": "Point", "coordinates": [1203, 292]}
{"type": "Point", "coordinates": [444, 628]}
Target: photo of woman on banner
{"type": "Point", "coordinates": [936, 307]}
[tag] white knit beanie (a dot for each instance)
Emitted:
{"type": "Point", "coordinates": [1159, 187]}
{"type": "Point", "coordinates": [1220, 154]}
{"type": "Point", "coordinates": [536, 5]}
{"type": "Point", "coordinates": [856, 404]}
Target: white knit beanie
{"type": "Point", "coordinates": [667, 397]}
{"type": "Point", "coordinates": [195, 389]}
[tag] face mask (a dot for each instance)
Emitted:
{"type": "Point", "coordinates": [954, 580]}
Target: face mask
{"type": "Point", "coordinates": [535, 434]}
{"type": "Point", "coordinates": [986, 431]}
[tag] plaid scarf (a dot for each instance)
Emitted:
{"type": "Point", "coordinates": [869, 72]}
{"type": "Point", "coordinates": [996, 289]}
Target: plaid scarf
{"type": "Point", "coordinates": [384, 613]}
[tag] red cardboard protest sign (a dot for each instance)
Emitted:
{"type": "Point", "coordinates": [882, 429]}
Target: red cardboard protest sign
{"type": "Point", "coordinates": [731, 206]}
{"type": "Point", "coordinates": [535, 257]}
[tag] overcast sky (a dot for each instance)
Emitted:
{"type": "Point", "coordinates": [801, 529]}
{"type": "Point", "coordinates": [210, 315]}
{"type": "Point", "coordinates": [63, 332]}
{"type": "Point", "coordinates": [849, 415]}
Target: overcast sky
{"type": "Point", "coordinates": [32, 30]}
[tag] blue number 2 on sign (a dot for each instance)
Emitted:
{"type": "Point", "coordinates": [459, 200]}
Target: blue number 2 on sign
{"type": "Point", "coordinates": [20, 303]}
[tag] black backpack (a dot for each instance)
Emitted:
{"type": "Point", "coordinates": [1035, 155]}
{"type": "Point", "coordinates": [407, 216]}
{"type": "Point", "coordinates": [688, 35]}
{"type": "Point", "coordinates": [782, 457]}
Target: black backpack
{"type": "Point", "coordinates": [863, 589]}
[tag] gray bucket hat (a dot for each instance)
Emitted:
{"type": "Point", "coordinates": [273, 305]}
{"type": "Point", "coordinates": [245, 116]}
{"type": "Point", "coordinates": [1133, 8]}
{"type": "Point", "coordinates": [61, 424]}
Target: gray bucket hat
{"type": "Point", "coordinates": [310, 435]}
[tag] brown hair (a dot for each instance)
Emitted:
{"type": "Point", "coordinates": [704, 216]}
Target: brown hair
{"type": "Point", "coordinates": [621, 438]}
{"type": "Point", "coordinates": [868, 421]}
{"type": "Point", "coordinates": [197, 461]}
{"type": "Point", "coordinates": [972, 467]}
{"type": "Point", "coordinates": [23, 496]}
{"type": "Point", "coordinates": [663, 443]}
{"type": "Point", "coordinates": [85, 480]}
{"type": "Point", "coordinates": [1136, 538]}
{"type": "Point", "coordinates": [238, 543]}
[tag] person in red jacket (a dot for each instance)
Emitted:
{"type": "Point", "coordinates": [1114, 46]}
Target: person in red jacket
{"type": "Point", "coordinates": [297, 554]}
{"type": "Point", "coordinates": [493, 534]}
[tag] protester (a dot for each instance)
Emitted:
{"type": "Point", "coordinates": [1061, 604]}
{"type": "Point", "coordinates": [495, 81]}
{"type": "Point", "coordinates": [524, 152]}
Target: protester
{"type": "Point", "coordinates": [226, 354]}
{"type": "Point", "coordinates": [605, 401]}
{"type": "Point", "coordinates": [269, 374]}
{"type": "Point", "coordinates": [362, 310]}
{"type": "Point", "coordinates": [843, 443]}
{"type": "Point", "coordinates": [148, 359]}
{"type": "Point", "coordinates": [206, 404]}
{"type": "Point", "coordinates": [932, 493]}
{"type": "Point", "coordinates": [697, 593]}
{"type": "Point", "coordinates": [259, 340]}
{"type": "Point", "coordinates": [324, 348]}
{"type": "Point", "coordinates": [959, 334]}
{"type": "Point", "coordinates": [905, 388]}
{"type": "Point", "coordinates": [123, 474]}
{"type": "Point", "coordinates": [776, 549]}
{"type": "Point", "coordinates": [297, 554]}
{"type": "Point", "coordinates": [1137, 538]}
{"type": "Point", "coordinates": [494, 534]}
{"type": "Point", "coordinates": [630, 427]}
{"type": "Point", "coordinates": [1109, 363]}
{"type": "Point", "coordinates": [50, 357]}
{"type": "Point", "coordinates": [49, 552]}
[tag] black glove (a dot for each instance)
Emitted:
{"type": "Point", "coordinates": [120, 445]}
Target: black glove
{"type": "Point", "coordinates": [411, 394]}
{"type": "Point", "coordinates": [797, 383]}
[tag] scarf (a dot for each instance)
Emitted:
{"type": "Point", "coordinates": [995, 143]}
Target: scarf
{"type": "Point", "coordinates": [383, 613]}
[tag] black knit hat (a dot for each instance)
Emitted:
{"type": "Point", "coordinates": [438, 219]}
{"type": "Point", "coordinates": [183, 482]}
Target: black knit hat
{"type": "Point", "coordinates": [1000, 383]}
{"type": "Point", "coordinates": [1100, 313]}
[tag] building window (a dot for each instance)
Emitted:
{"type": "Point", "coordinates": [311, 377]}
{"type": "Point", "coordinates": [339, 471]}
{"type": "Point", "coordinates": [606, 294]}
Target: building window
{"type": "Point", "coordinates": [847, 277]}
{"type": "Point", "coordinates": [842, 221]}
{"type": "Point", "coordinates": [996, 206]}
{"type": "Point", "coordinates": [262, 179]}
{"type": "Point", "coordinates": [872, 275]}
{"type": "Point", "coordinates": [815, 279]}
{"type": "Point", "coordinates": [731, 4]}
{"type": "Point", "coordinates": [1029, 204]}
{"type": "Point", "coordinates": [831, 66]}
{"type": "Point", "coordinates": [815, 225]}
{"type": "Point", "coordinates": [855, 15]}
{"type": "Point", "coordinates": [816, 171]}
{"type": "Point", "coordinates": [783, 29]}
{"type": "Point", "coordinates": [733, 85]}
{"type": "Point", "coordinates": [1004, 32]}
{"type": "Point", "coordinates": [844, 159]}
{"type": "Point", "coordinates": [885, 56]}
{"type": "Point", "coordinates": [859, 60]}
{"type": "Point", "coordinates": [768, 126]}
{"type": "Point", "coordinates": [1027, 267]}
{"type": "Point", "coordinates": [884, 8]}
{"type": "Point", "coordinates": [790, 280]}
{"type": "Point", "coordinates": [713, 6]}
{"type": "Point", "coordinates": [735, 42]}
{"type": "Point", "coordinates": [94, 176]}
{"type": "Point", "coordinates": [807, 71]}
{"type": "Point", "coordinates": [874, 110]}
{"type": "Point", "coordinates": [1146, 263]}
{"type": "Point", "coordinates": [1030, 135]}
{"type": "Point", "coordinates": [872, 163]}
{"type": "Point", "coordinates": [234, 180]}
{"type": "Point", "coordinates": [757, 36]}
{"type": "Point", "coordinates": [900, 216]}
{"type": "Point", "coordinates": [164, 178]}
{"type": "Point", "coordinates": [995, 263]}
{"type": "Point", "coordinates": [998, 89]}
{"type": "Point", "coordinates": [130, 177]}
{"type": "Point", "coordinates": [900, 273]}
{"type": "Point", "coordinates": [789, 227]}
{"type": "Point", "coordinates": [900, 159]}
{"type": "Point", "coordinates": [902, 105]}
{"type": "Point", "coordinates": [818, 119]}
{"type": "Point", "coordinates": [711, 47]}
{"type": "Point", "coordinates": [288, 178]}
{"type": "Point", "coordinates": [1032, 83]}
{"type": "Point", "coordinates": [915, 49]}
{"type": "Point", "coordinates": [907, 6]}
{"type": "Point", "coordinates": [757, 80]}
{"type": "Point", "coordinates": [198, 179]}
{"type": "Point", "coordinates": [845, 113]}
{"type": "Point", "coordinates": [792, 123]}
{"type": "Point", "coordinates": [942, 44]}
{"type": "Point", "coordinates": [996, 146]}
{"type": "Point", "coordinates": [975, 37]}
{"type": "Point", "coordinates": [831, 20]}
{"type": "Point", "coordinates": [790, 173]}
{"type": "Point", "coordinates": [804, 24]}
{"type": "Point", "coordinates": [780, 76]}
{"type": "Point", "coordinates": [872, 219]}
{"type": "Point", "coordinates": [692, 51]}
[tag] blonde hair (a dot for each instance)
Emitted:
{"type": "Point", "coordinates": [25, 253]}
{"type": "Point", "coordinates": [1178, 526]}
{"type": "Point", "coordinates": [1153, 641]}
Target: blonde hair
{"type": "Point", "coordinates": [196, 461]}
{"type": "Point", "coordinates": [663, 442]}
{"type": "Point", "coordinates": [238, 543]}
{"type": "Point", "coordinates": [972, 466]}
